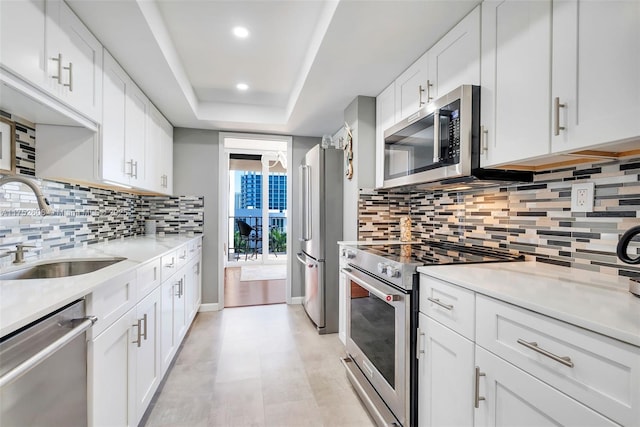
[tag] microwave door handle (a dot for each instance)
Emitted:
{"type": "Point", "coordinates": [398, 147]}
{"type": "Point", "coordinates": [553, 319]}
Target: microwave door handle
{"type": "Point", "coordinates": [436, 136]}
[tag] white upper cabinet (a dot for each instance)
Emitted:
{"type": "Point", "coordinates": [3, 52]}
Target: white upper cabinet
{"type": "Point", "coordinates": [455, 59]}
{"type": "Point", "coordinates": [385, 118]}
{"type": "Point", "coordinates": [596, 73]}
{"type": "Point", "coordinates": [159, 151]}
{"type": "Point", "coordinates": [135, 135]}
{"type": "Point", "coordinates": [516, 59]}
{"type": "Point", "coordinates": [74, 60]}
{"type": "Point", "coordinates": [26, 20]}
{"type": "Point", "coordinates": [411, 89]}
{"type": "Point", "coordinates": [113, 120]}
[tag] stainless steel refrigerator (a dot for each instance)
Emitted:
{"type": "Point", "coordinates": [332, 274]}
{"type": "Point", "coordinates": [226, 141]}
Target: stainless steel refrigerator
{"type": "Point", "coordinates": [320, 201]}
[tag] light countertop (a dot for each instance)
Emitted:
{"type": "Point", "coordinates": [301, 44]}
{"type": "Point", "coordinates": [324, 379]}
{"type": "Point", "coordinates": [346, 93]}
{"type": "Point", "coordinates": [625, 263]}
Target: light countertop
{"type": "Point", "coordinates": [594, 301]}
{"type": "Point", "coordinates": [24, 301]}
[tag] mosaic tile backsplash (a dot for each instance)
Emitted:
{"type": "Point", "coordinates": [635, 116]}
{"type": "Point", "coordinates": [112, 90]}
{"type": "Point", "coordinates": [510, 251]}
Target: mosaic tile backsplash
{"type": "Point", "coordinates": [83, 215]}
{"type": "Point", "coordinates": [89, 215]}
{"type": "Point", "coordinates": [534, 219]}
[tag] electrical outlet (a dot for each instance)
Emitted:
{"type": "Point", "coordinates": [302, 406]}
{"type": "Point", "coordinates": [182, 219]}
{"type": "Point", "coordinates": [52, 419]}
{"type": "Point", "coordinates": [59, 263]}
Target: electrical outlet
{"type": "Point", "coordinates": [582, 197]}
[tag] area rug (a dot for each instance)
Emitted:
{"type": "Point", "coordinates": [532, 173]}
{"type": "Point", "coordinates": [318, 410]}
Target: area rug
{"type": "Point", "coordinates": [263, 272]}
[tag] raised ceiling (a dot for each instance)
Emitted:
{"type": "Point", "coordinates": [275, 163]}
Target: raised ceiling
{"type": "Point", "coordinates": [304, 60]}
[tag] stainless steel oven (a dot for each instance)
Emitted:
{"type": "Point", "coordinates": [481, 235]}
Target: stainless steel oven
{"type": "Point", "coordinates": [382, 296]}
{"type": "Point", "coordinates": [378, 331]}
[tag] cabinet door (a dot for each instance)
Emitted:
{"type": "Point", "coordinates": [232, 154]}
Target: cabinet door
{"type": "Point", "coordinates": [148, 372]}
{"type": "Point", "coordinates": [111, 362]}
{"type": "Point", "coordinates": [154, 155]}
{"type": "Point", "coordinates": [385, 118]}
{"type": "Point", "coordinates": [596, 72]}
{"type": "Point", "coordinates": [180, 306]}
{"type": "Point", "coordinates": [167, 157]}
{"type": "Point", "coordinates": [23, 21]}
{"type": "Point", "coordinates": [192, 292]}
{"type": "Point", "coordinates": [516, 80]}
{"type": "Point", "coordinates": [455, 59]}
{"type": "Point", "coordinates": [411, 89]}
{"type": "Point", "coordinates": [167, 340]}
{"type": "Point", "coordinates": [137, 106]}
{"type": "Point", "coordinates": [445, 376]}
{"type": "Point", "coordinates": [78, 64]}
{"type": "Point", "coordinates": [513, 397]}
{"type": "Point", "coordinates": [113, 121]}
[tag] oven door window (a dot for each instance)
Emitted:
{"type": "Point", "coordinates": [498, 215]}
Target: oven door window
{"type": "Point", "coordinates": [373, 330]}
{"type": "Point", "coordinates": [410, 150]}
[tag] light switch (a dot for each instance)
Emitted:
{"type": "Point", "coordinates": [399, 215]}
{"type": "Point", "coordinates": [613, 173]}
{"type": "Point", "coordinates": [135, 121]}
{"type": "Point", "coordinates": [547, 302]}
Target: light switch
{"type": "Point", "coordinates": [582, 197]}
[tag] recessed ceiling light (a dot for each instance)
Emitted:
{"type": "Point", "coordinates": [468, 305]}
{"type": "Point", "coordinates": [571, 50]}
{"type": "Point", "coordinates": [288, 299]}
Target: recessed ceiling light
{"type": "Point", "coordinates": [240, 32]}
{"type": "Point", "coordinates": [242, 86]}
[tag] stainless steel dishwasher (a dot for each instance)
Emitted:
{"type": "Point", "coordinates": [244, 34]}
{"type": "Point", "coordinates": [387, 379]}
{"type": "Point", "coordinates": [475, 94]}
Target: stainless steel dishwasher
{"type": "Point", "coordinates": [43, 371]}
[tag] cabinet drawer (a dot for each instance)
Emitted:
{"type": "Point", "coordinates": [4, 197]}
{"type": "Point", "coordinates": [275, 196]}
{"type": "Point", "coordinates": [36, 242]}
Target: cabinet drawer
{"type": "Point", "coordinates": [449, 304]}
{"type": "Point", "coordinates": [148, 277]}
{"type": "Point", "coordinates": [169, 265]}
{"type": "Point", "coordinates": [111, 300]}
{"type": "Point", "coordinates": [600, 372]}
{"type": "Point", "coordinates": [182, 254]}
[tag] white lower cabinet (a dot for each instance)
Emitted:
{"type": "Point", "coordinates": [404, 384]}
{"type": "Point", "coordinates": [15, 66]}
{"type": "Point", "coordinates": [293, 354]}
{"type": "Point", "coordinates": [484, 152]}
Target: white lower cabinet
{"type": "Point", "coordinates": [111, 361]}
{"type": "Point", "coordinates": [511, 397]}
{"type": "Point", "coordinates": [137, 340]}
{"type": "Point", "coordinates": [173, 317]}
{"type": "Point", "coordinates": [147, 352]}
{"type": "Point", "coordinates": [517, 368]}
{"type": "Point", "coordinates": [445, 376]}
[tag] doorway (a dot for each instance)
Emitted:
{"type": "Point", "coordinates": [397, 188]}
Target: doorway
{"type": "Point", "coordinates": [254, 225]}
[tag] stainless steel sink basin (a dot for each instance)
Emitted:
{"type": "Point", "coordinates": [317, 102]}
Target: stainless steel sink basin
{"type": "Point", "coordinates": [52, 270]}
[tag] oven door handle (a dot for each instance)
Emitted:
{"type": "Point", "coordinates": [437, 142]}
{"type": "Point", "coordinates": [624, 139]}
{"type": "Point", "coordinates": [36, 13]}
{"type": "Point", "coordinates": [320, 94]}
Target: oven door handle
{"type": "Point", "coordinates": [358, 278]}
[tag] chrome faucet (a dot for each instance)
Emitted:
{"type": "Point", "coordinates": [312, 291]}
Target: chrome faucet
{"type": "Point", "coordinates": [43, 203]}
{"type": "Point", "coordinates": [20, 253]}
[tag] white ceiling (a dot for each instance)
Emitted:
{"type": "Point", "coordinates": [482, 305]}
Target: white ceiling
{"type": "Point", "coordinates": [304, 60]}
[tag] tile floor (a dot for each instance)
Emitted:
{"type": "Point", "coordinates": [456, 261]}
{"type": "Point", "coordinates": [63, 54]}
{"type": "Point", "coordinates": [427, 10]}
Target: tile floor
{"type": "Point", "coordinates": [257, 366]}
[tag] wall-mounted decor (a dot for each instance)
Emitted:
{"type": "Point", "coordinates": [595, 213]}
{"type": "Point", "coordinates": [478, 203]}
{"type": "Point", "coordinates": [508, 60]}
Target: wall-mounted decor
{"type": "Point", "coordinates": [7, 146]}
{"type": "Point", "coordinates": [348, 148]}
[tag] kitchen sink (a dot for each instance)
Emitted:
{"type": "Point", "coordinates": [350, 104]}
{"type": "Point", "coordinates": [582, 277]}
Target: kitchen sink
{"type": "Point", "coordinates": [55, 269]}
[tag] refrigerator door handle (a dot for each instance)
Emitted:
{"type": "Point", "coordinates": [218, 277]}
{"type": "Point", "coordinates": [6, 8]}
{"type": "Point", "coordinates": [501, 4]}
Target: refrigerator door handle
{"type": "Point", "coordinates": [305, 196]}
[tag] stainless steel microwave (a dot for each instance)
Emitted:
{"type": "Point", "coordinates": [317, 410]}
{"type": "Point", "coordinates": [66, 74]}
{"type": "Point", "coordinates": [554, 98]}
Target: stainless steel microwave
{"type": "Point", "coordinates": [436, 142]}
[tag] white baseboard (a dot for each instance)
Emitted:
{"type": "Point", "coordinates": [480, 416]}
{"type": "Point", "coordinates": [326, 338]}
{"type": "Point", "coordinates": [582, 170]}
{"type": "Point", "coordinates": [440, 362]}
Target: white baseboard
{"type": "Point", "coordinates": [297, 300]}
{"type": "Point", "coordinates": [209, 307]}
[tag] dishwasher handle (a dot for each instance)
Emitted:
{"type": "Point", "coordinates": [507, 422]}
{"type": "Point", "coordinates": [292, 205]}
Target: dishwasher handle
{"type": "Point", "coordinates": [49, 350]}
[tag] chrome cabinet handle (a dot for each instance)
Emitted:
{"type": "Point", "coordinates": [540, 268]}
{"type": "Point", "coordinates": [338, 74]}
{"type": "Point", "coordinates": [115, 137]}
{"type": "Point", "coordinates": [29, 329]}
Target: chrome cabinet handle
{"type": "Point", "coordinates": [556, 106]}
{"type": "Point", "coordinates": [440, 303]}
{"type": "Point", "coordinates": [59, 61]}
{"type": "Point", "coordinates": [484, 134]}
{"type": "Point", "coordinates": [429, 86]}
{"type": "Point", "coordinates": [130, 163]}
{"type": "Point", "coordinates": [477, 397]}
{"type": "Point", "coordinates": [70, 84]}
{"type": "Point", "coordinates": [420, 101]}
{"type": "Point", "coordinates": [134, 165]}
{"type": "Point", "coordinates": [173, 263]}
{"type": "Point", "coordinates": [138, 340]}
{"type": "Point", "coordinates": [436, 136]}
{"type": "Point", "coordinates": [43, 354]}
{"type": "Point", "coordinates": [565, 360]}
{"type": "Point", "coordinates": [420, 343]}
{"type": "Point", "coordinates": [177, 284]}
{"type": "Point", "coordinates": [144, 320]}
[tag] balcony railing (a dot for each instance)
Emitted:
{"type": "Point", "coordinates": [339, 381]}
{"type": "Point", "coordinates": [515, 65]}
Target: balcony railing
{"type": "Point", "coordinates": [247, 239]}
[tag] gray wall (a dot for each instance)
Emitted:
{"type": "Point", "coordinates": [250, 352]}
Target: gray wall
{"type": "Point", "coordinates": [195, 172]}
{"type": "Point", "coordinates": [360, 115]}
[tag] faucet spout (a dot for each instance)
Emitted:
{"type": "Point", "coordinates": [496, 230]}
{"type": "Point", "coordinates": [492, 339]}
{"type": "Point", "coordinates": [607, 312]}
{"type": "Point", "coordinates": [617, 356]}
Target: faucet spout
{"type": "Point", "coordinates": [43, 203]}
